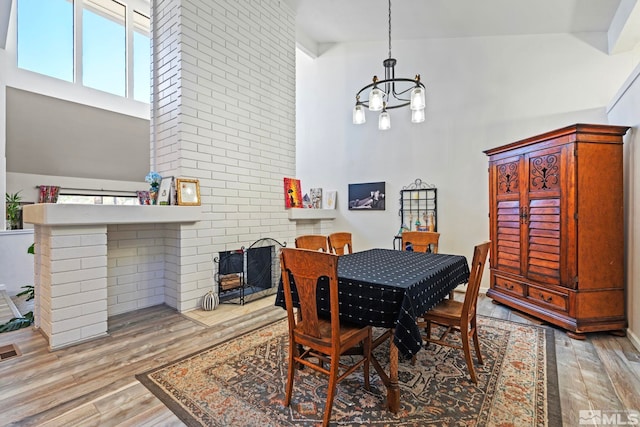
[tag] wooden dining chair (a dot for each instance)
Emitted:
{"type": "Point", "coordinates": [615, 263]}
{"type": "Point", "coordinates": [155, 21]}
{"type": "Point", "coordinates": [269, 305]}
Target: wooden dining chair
{"type": "Point", "coordinates": [323, 338]}
{"type": "Point", "coordinates": [461, 316]}
{"type": "Point", "coordinates": [313, 242]}
{"type": "Point", "coordinates": [339, 241]}
{"type": "Point", "coordinates": [421, 241]}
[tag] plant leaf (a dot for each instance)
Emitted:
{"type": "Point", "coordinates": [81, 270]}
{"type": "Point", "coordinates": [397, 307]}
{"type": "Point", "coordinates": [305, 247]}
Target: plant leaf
{"type": "Point", "coordinates": [17, 323]}
{"type": "Point", "coordinates": [29, 292]}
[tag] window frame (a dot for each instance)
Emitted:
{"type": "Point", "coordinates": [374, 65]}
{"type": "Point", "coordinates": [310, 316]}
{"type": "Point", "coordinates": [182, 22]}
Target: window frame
{"type": "Point", "coordinates": [75, 91]}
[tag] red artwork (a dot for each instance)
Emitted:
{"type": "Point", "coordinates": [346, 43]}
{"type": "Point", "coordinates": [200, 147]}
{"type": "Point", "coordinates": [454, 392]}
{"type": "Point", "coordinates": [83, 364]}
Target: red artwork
{"type": "Point", "coordinates": [48, 194]}
{"type": "Point", "coordinates": [292, 193]}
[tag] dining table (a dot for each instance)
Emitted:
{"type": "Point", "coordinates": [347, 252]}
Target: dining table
{"type": "Point", "coordinates": [390, 289]}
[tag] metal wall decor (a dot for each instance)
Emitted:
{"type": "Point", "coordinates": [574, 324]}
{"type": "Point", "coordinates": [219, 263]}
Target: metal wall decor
{"type": "Point", "coordinates": [418, 207]}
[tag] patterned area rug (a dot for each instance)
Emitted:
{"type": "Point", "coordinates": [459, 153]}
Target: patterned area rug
{"type": "Point", "coordinates": [242, 382]}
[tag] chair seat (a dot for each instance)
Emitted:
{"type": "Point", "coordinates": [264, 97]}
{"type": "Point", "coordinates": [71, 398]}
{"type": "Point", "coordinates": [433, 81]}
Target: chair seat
{"type": "Point", "coordinates": [447, 309]}
{"type": "Point", "coordinates": [349, 334]}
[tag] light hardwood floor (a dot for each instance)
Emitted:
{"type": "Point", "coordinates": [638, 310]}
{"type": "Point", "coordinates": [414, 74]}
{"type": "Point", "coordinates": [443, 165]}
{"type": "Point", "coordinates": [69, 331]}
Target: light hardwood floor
{"type": "Point", "coordinates": [94, 384]}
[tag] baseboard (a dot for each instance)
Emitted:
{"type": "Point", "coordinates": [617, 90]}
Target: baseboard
{"type": "Point", "coordinates": [634, 339]}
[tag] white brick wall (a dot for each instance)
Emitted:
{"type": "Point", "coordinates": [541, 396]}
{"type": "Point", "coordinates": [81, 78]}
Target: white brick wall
{"type": "Point", "coordinates": [72, 305]}
{"type": "Point", "coordinates": [136, 266]}
{"type": "Point", "coordinates": [226, 116]}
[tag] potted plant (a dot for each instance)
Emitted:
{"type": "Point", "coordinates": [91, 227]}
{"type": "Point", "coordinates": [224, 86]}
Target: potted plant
{"type": "Point", "coordinates": [13, 208]}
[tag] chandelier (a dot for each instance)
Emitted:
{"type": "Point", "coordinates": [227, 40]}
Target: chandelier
{"type": "Point", "coordinates": [390, 93]}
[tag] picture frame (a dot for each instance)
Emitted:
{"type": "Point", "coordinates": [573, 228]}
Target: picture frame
{"type": "Point", "coordinates": [188, 192]}
{"type": "Point", "coordinates": [292, 193]}
{"type": "Point", "coordinates": [164, 193]}
{"type": "Point", "coordinates": [329, 199]}
{"type": "Point", "coordinates": [143, 197]}
{"type": "Point", "coordinates": [367, 196]}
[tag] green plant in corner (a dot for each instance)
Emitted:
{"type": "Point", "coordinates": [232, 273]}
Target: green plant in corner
{"type": "Point", "coordinates": [26, 320]}
{"type": "Point", "coordinates": [12, 202]}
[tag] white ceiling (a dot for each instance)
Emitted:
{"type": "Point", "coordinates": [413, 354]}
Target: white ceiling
{"type": "Point", "coordinates": [334, 21]}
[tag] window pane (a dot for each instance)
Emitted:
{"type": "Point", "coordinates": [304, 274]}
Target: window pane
{"type": "Point", "coordinates": [45, 37]}
{"type": "Point", "coordinates": [104, 46]}
{"type": "Point", "coordinates": [141, 58]}
{"type": "Point", "coordinates": [96, 200]}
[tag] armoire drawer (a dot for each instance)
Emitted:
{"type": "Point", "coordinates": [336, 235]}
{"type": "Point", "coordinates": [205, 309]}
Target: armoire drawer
{"type": "Point", "coordinates": [509, 286]}
{"type": "Point", "coordinates": [558, 301]}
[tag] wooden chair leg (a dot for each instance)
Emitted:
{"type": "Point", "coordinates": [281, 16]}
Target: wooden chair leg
{"type": "Point", "coordinates": [367, 354]}
{"type": "Point", "coordinates": [467, 355]}
{"type": "Point", "coordinates": [290, 373]}
{"type": "Point", "coordinates": [476, 343]}
{"type": "Point", "coordinates": [331, 391]}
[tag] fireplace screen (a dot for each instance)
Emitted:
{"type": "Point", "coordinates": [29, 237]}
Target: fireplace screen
{"type": "Point", "coordinates": [249, 271]}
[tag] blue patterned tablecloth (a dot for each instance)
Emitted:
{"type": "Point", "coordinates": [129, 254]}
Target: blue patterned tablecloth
{"type": "Point", "coordinates": [390, 289]}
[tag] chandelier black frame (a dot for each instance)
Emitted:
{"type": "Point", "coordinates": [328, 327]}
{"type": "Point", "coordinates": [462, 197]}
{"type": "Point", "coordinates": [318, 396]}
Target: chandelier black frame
{"type": "Point", "coordinates": [391, 97]}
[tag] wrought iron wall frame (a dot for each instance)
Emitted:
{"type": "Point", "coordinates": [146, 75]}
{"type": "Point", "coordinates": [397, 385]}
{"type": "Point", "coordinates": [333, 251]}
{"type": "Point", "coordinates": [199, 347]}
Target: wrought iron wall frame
{"type": "Point", "coordinates": [418, 202]}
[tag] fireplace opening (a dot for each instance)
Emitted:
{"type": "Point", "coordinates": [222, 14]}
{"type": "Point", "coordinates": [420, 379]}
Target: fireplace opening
{"type": "Point", "coordinates": [247, 274]}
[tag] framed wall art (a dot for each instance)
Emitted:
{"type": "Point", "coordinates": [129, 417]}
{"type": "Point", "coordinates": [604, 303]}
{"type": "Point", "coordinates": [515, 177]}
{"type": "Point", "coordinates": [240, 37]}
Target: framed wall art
{"type": "Point", "coordinates": [143, 197]}
{"type": "Point", "coordinates": [292, 193]}
{"type": "Point", "coordinates": [164, 193]}
{"type": "Point", "coordinates": [188, 192]}
{"type": "Point", "coordinates": [368, 196]}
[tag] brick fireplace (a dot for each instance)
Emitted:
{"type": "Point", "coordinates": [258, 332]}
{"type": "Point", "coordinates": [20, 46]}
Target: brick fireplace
{"type": "Point", "coordinates": [224, 113]}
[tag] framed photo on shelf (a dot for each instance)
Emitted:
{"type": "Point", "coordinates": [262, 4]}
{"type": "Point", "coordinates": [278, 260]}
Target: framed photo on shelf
{"type": "Point", "coordinates": [329, 199]}
{"type": "Point", "coordinates": [143, 197]}
{"type": "Point", "coordinates": [164, 193]}
{"type": "Point", "coordinates": [188, 192]}
{"type": "Point", "coordinates": [292, 193]}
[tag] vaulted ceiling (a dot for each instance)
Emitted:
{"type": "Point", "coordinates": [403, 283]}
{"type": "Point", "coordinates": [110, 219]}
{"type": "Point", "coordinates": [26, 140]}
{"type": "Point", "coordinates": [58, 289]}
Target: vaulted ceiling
{"type": "Point", "coordinates": [334, 21]}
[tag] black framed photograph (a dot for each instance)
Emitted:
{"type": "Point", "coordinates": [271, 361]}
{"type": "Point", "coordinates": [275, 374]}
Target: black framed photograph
{"type": "Point", "coordinates": [164, 193]}
{"type": "Point", "coordinates": [188, 192]}
{"type": "Point", "coordinates": [367, 196]}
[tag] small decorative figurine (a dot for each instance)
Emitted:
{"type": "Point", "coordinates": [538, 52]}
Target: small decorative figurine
{"type": "Point", "coordinates": [431, 224]}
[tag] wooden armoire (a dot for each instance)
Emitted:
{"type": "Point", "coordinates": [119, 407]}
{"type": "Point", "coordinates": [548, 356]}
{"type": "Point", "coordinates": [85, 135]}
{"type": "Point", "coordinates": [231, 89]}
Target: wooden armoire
{"type": "Point", "coordinates": [556, 226]}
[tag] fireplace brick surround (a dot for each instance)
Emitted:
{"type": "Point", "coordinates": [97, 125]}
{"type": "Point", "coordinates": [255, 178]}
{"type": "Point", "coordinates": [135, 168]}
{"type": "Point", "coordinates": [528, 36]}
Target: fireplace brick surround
{"type": "Point", "coordinates": [218, 117]}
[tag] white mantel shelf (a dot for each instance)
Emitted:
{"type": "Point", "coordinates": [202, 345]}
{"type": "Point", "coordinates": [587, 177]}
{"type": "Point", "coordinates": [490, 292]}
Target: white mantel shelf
{"type": "Point", "coordinates": [296, 214]}
{"type": "Point", "coordinates": [72, 214]}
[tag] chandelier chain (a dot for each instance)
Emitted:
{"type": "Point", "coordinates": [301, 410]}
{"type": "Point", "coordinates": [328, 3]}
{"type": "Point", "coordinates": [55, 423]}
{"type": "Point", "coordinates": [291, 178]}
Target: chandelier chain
{"type": "Point", "coordinates": [389, 28]}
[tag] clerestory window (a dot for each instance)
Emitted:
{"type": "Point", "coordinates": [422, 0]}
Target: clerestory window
{"type": "Point", "coordinates": [102, 44]}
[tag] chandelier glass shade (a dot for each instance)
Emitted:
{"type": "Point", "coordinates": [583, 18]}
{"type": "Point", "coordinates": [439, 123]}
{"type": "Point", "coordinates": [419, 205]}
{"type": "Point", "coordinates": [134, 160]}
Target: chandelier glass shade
{"type": "Point", "coordinates": [390, 93]}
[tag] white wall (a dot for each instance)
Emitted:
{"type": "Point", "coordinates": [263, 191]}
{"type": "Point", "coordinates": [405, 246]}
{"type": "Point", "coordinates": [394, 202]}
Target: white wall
{"type": "Point", "coordinates": [625, 110]}
{"type": "Point", "coordinates": [481, 93]}
{"type": "Point", "coordinates": [16, 265]}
